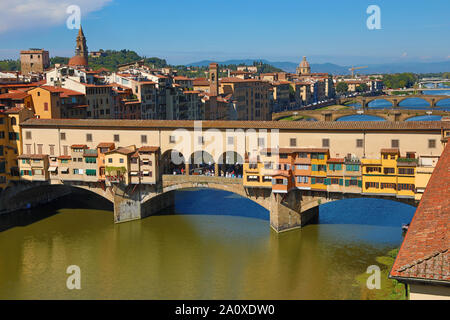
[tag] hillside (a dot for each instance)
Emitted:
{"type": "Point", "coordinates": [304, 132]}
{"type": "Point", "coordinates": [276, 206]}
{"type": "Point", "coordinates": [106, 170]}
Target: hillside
{"type": "Point", "coordinates": [414, 67]}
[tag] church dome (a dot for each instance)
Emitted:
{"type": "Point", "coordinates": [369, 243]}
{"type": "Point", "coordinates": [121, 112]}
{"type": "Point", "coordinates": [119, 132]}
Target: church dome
{"type": "Point", "coordinates": [78, 61]}
{"type": "Point", "coordinates": [304, 63]}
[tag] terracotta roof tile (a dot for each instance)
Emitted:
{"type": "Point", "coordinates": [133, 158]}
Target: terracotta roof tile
{"type": "Point", "coordinates": [336, 160]}
{"type": "Point", "coordinates": [105, 145]}
{"type": "Point", "coordinates": [32, 156]}
{"type": "Point", "coordinates": [282, 125]}
{"type": "Point", "coordinates": [424, 254]}
{"type": "Point", "coordinates": [78, 146]}
{"type": "Point", "coordinates": [148, 149]}
{"type": "Point", "coordinates": [390, 150]}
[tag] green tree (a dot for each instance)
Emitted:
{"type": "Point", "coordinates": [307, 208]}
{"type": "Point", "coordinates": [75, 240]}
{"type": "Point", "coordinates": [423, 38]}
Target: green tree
{"type": "Point", "coordinates": [341, 87]}
{"type": "Point", "coordinates": [362, 87]}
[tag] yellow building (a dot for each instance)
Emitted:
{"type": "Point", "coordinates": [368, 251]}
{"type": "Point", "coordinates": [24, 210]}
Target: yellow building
{"type": "Point", "coordinates": [319, 158]}
{"type": "Point", "coordinates": [259, 173]}
{"type": "Point", "coordinates": [46, 101]}
{"type": "Point", "coordinates": [11, 142]}
{"type": "Point", "coordinates": [391, 175]}
{"type": "Point", "coordinates": [118, 164]}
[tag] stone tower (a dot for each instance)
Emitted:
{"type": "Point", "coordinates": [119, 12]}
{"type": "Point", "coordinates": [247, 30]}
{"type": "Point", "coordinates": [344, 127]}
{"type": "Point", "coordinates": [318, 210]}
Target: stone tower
{"type": "Point", "coordinates": [81, 49]}
{"type": "Point", "coordinates": [211, 113]}
{"type": "Point", "coordinates": [213, 79]}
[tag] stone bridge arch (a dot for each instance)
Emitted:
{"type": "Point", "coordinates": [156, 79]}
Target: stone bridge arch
{"type": "Point", "coordinates": [234, 185]}
{"type": "Point", "coordinates": [31, 194]}
{"type": "Point", "coordinates": [442, 99]}
{"type": "Point", "coordinates": [406, 98]}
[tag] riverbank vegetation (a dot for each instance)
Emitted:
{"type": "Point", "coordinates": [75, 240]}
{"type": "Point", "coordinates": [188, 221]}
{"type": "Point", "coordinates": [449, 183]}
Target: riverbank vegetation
{"type": "Point", "coordinates": [399, 80]}
{"type": "Point", "coordinates": [390, 289]}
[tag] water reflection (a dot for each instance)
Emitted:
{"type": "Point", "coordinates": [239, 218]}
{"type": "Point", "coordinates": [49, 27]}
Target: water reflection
{"type": "Point", "coordinates": [199, 255]}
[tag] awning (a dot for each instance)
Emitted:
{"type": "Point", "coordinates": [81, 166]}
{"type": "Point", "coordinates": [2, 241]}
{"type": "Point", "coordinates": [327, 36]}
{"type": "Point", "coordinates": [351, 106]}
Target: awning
{"type": "Point", "coordinates": [52, 169]}
{"type": "Point", "coordinates": [63, 169]}
{"type": "Point", "coordinates": [146, 172]}
{"type": "Point", "coordinates": [133, 173]}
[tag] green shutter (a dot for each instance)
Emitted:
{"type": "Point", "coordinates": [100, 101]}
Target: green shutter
{"type": "Point", "coordinates": [91, 172]}
{"type": "Point", "coordinates": [360, 183]}
{"type": "Point", "coordinates": [338, 167]}
{"type": "Point", "coordinates": [313, 180]}
{"type": "Point", "coordinates": [331, 167]}
{"type": "Point", "coordinates": [341, 182]}
{"type": "Point", "coordinates": [347, 183]}
{"type": "Point", "coordinates": [314, 167]}
{"type": "Point", "coordinates": [327, 181]}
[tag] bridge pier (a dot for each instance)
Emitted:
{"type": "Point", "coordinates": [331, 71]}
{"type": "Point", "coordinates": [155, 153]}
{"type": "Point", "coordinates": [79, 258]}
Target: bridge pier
{"type": "Point", "coordinates": [282, 218]}
{"type": "Point", "coordinates": [127, 204]}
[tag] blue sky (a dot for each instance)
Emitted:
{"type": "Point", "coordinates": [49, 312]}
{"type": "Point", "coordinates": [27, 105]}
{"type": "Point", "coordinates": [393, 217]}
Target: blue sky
{"type": "Point", "coordinates": [183, 31]}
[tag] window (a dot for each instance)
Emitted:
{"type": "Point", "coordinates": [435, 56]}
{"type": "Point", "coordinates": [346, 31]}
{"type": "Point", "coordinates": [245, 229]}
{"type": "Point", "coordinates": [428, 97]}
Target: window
{"type": "Point", "coordinates": [293, 142]}
{"type": "Point", "coordinates": [143, 138]}
{"type": "Point", "coordinates": [13, 121]}
{"type": "Point", "coordinates": [359, 143]}
{"type": "Point", "coordinates": [39, 147]}
{"type": "Point", "coordinates": [302, 179]}
{"type": "Point", "coordinates": [109, 160]}
{"type": "Point", "coordinates": [302, 167]}
{"type": "Point", "coordinates": [373, 169]}
{"type": "Point", "coordinates": [253, 178]}
{"type": "Point", "coordinates": [325, 143]}
{"type": "Point", "coordinates": [90, 160]}
{"type": "Point", "coordinates": [66, 150]}
{"type": "Point", "coordinates": [408, 171]}
{"type": "Point", "coordinates": [52, 149]}
{"type": "Point", "coordinates": [28, 135]}
{"type": "Point", "coordinates": [261, 142]}
{"type": "Point", "coordinates": [388, 186]}
{"type": "Point", "coordinates": [62, 136]}
{"type": "Point", "coordinates": [389, 170]}
{"type": "Point", "coordinates": [116, 138]}
{"type": "Point", "coordinates": [405, 186]}
{"type": "Point", "coordinates": [45, 106]}
{"type": "Point", "coordinates": [395, 143]}
{"type": "Point", "coordinates": [28, 148]}
{"type": "Point", "coordinates": [303, 155]}
{"type": "Point", "coordinates": [88, 137]}
{"type": "Point", "coordinates": [91, 172]}
{"type": "Point", "coordinates": [231, 140]}
{"type": "Point", "coordinates": [372, 185]}
{"type": "Point", "coordinates": [431, 143]}
{"type": "Point", "coordinates": [121, 160]}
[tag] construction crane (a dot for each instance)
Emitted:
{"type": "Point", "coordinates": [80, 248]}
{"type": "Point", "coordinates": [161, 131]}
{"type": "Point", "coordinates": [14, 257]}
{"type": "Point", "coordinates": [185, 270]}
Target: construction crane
{"type": "Point", "coordinates": [352, 69]}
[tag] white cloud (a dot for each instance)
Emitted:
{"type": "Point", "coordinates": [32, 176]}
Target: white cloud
{"type": "Point", "coordinates": [26, 14]}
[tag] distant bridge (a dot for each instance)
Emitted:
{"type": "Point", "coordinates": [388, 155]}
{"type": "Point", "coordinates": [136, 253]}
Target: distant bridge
{"type": "Point", "coordinates": [333, 115]}
{"type": "Point", "coordinates": [388, 91]}
{"type": "Point", "coordinates": [395, 100]}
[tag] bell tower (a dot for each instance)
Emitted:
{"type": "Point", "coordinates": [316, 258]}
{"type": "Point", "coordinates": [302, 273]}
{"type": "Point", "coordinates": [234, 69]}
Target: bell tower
{"type": "Point", "coordinates": [213, 79]}
{"type": "Point", "coordinates": [81, 49]}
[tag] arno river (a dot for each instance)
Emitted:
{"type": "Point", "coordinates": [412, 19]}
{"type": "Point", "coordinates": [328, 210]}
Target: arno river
{"type": "Point", "coordinates": [211, 245]}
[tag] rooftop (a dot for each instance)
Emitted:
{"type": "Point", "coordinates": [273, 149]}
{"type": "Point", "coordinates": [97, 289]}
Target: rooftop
{"type": "Point", "coordinates": [424, 254]}
{"type": "Point", "coordinates": [414, 126]}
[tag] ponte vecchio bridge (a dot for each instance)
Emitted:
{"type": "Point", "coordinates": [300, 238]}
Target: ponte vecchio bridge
{"type": "Point", "coordinates": [138, 157]}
